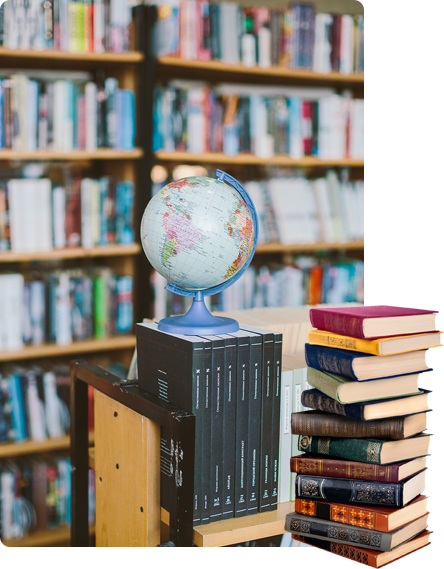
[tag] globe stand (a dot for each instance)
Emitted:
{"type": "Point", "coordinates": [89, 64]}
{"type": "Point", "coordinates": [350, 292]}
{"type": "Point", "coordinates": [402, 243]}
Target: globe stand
{"type": "Point", "coordinates": [198, 321]}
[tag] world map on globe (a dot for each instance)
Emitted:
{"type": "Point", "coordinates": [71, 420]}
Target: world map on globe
{"type": "Point", "coordinates": [197, 232]}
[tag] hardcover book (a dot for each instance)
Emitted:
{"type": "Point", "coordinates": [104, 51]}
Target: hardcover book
{"type": "Point", "coordinates": [373, 321]}
{"type": "Point", "coordinates": [347, 390]}
{"type": "Point", "coordinates": [322, 424]}
{"type": "Point", "coordinates": [376, 409]}
{"type": "Point", "coordinates": [370, 517]}
{"type": "Point", "coordinates": [361, 366]}
{"type": "Point", "coordinates": [373, 451]}
{"type": "Point", "coordinates": [380, 346]}
{"type": "Point", "coordinates": [341, 533]}
{"type": "Point", "coordinates": [346, 490]}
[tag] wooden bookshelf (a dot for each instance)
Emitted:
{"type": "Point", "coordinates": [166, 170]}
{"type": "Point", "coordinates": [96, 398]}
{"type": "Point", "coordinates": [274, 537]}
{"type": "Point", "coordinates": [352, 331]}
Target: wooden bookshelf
{"type": "Point", "coordinates": [226, 71]}
{"type": "Point", "coordinates": [9, 450]}
{"type": "Point", "coordinates": [71, 155]}
{"type": "Point", "coordinates": [76, 348]}
{"type": "Point", "coordinates": [44, 538]}
{"type": "Point", "coordinates": [70, 253]}
{"type": "Point", "coordinates": [309, 247]}
{"type": "Point", "coordinates": [247, 159]}
{"type": "Point", "coordinates": [59, 55]}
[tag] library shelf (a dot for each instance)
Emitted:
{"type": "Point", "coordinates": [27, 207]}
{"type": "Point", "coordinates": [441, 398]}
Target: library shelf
{"type": "Point", "coordinates": [71, 253]}
{"type": "Point", "coordinates": [71, 155]}
{"type": "Point", "coordinates": [9, 450]}
{"type": "Point", "coordinates": [322, 246]}
{"type": "Point", "coordinates": [57, 54]}
{"type": "Point", "coordinates": [76, 348]}
{"type": "Point", "coordinates": [252, 160]}
{"type": "Point", "coordinates": [174, 65]}
{"type": "Point", "coordinates": [44, 538]}
{"type": "Point", "coordinates": [238, 530]}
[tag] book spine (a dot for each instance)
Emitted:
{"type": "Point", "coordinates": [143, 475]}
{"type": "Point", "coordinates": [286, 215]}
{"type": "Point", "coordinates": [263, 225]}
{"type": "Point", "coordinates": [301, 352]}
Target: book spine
{"type": "Point", "coordinates": [344, 514]}
{"type": "Point", "coordinates": [333, 340]}
{"type": "Point", "coordinates": [371, 539]}
{"type": "Point", "coordinates": [217, 430]}
{"type": "Point", "coordinates": [332, 425]}
{"type": "Point", "coordinates": [206, 435]}
{"type": "Point", "coordinates": [229, 411]}
{"type": "Point", "coordinates": [344, 491]}
{"type": "Point", "coordinates": [356, 553]}
{"type": "Point", "coordinates": [362, 450]}
{"type": "Point", "coordinates": [265, 471]}
{"type": "Point", "coordinates": [276, 404]}
{"type": "Point", "coordinates": [198, 373]}
{"type": "Point", "coordinates": [343, 324]}
{"type": "Point", "coordinates": [242, 422]}
{"type": "Point", "coordinates": [254, 428]}
{"type": "Point", "coordinates": [344, 469]}
{"type": "Point", "coordinates": [323, 382]}
{"type": "Point", "coordinates": [317, 358]}
{"type": "Point", "coordinates": [316, 400]}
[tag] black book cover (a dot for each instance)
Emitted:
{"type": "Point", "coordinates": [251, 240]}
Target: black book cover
{"type": "Point", "coordinates": [215, 31]}
{"type": "Point", "coordinates": [217, 426]}
{"type": "Point", "coordinates": [101, 109]}
{"type": "Point", "coordinates": [244, 124]}
{"type": "Point", "coordinates": [276, 17]}
{"type": "Point", "coordinates": [242, 423]}
{"type": "Point", "coordinates": [229, 411]}
{"type": "Point", "coordinates": [206, 433]}
{"type": "Point", "coordinates": [276, 395]}
{"type": "Point", "coordinates": [171, 367]}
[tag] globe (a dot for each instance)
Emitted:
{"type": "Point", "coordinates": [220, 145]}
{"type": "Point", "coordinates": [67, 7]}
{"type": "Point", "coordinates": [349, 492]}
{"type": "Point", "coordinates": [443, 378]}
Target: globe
{"type": "Point", "coordinates": [200, 233]}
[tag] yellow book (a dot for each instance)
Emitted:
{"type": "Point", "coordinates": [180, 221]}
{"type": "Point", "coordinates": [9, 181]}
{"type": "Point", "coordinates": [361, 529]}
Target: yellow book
{"type": "Point", "coordinates": [380, 346]}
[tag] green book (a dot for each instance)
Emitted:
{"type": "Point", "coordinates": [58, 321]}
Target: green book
{"type": "Point", "coordinates": [346, 390]}
{"type": "Point", "coordinates": [100, 312]}
{"type": "Point", "coordinates": [366, 450]}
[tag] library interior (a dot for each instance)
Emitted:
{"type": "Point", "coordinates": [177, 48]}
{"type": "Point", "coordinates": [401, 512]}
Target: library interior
{"type": "Point", "coordinates": [196, 160]}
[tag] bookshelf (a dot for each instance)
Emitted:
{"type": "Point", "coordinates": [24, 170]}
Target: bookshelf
{"type": "Point", "coordinates": [129, 69]}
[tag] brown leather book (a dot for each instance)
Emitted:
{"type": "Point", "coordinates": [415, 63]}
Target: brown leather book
{"type": "Point", "coordinates": [323, 424]}
{"type": "Point", "coordinates": [338, 468]}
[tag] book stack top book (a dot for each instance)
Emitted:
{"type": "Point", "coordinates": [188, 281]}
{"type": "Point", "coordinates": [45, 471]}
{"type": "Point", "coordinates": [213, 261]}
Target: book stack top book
{"type": "Point", "coordinates": [363, 445]}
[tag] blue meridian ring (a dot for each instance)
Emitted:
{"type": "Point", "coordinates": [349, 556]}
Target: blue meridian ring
{"type": "Point", "coordinates": [224, 177]}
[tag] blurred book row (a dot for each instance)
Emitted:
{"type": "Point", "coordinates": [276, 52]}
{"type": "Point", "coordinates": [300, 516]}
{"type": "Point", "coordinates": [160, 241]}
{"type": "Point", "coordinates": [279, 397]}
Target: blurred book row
{"type": "Point", "coordinates": [295, 36]}
{"type": "Point", "coordinates": [61, 110]}
{"type": "Point", "coordinates": [81, 25]}
{"type": "Point", "coordinates": [37, 214]}
{"type": "Point", "coordinates": [63, 306]}
{"type": "Point", "coordinates": [307, 281]}
{"type": "Point", "coordinates": [296, 210]}
{"type": "Point", "coordinates": [36, 494]}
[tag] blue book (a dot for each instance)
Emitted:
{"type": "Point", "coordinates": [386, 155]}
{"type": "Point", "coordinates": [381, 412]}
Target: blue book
{"type": "Point", "coordinates": [70, 118]}
{"type": "Point", "coordinates": [157, 120]}
{"type": "Point", "coordinates": [128, 119]}
{"type": "Point", "coordinates": [111, 87]}
{"type": "Point", "coordinates": [2, 128]}
{"type": "Point", "coordinates": [351, 365]}
{"type": "Point", "coordinates": [124, 304]}
{"type": "Point", "coordinates": [124, 213]}
{"type": "Point", "coordinates": [17, 408]}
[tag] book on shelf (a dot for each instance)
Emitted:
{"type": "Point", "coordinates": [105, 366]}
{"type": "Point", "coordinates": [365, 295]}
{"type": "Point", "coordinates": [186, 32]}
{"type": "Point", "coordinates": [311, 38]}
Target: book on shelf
{"type": "Point", "coordinates": [369, 410]}
{"type": "Point", "coordinates": [62, 111]}
{"type": "Point", "coordinates": [370, 322]}
{"type": "Point", "coordinates": [323, 424]}
{"type": "Point", "coordinates": [335, 532]}
{"type": "Point", "coordinates": [347, 390]}
{"type": "Point", "coordinates": [373, 451]}
{"type": "Point", "coordinates": [380, 518]}
{"type": "Point", "coordinates": [294, 36]}
{"type": "Point", "coordinates": [381, 346]}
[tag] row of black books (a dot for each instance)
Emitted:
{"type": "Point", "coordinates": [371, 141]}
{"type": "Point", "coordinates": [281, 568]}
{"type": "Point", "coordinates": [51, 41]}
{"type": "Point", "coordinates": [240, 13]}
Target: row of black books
{"type": "Point", "coordinates": [231, 383]}
{"type": "Point", "coordinates": [35, 494]}
{"type": "Point", "coordinates": [63, 306]}
{"type": "Point", "coordinates": [38, 214]}
{"type": "Point", "coordinates": [293, 36]}
{"type": "Point", "coordinates": [62, 110]}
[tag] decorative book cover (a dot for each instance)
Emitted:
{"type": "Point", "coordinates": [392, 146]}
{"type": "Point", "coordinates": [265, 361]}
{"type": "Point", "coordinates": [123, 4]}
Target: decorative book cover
{"type": "Point", "coordinates": [348, 321]}
{"type": "Point", "coordinates": [369, 517]}
{"type": "Point", "coordinates": [320, 466]}
{"type": "Point", "coordinates": [341, 533]}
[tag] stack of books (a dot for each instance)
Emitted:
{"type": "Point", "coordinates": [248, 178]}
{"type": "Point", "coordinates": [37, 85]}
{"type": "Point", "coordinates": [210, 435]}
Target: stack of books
{"type": "Point", "coordinates": [360, 480]}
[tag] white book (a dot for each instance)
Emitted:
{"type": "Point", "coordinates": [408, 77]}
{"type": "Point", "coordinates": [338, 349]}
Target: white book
{"type": "Point", "coordinates": [63, 311]}
{"type": "Point", "coordinates": [196, 142]}
{"type": "Point", "coordinates": [58, 217]}
{"type": "Point", "coordinates": [60, 112]}
{"type": "Point", "coordinates": [52, 406]}
{"type": "Point", "coordinates": [357, 129]}
{"type": "Point", "coordinates": [332, 127]}
{"type": "Point", "coordinates": [99, 26]}
{"type": "Point", "coordinates": [91, 115]}
{"type": "Point", "coordinates": [32, 115]}
{"type": "Point", "coordinates": [43, 214]}
{"type": "Point", "coordinates": [346, 43]}
{"type": "Point", "coordinates": [229, 35]}
{"type": "Point", "coordinates": [322, 49]}
{"type": "Point", "coordinates": [299, 385]}
{"type": "Point", "coordinates": [333, 198]}
{"type": "Point", "coordinates": [263, 140]}
{"type": "Point", "coordinates": [36, 410]}
{"type": "Point", "coordinates": [314, 233]}
{"type": "Point", "coordinates": [264, 40]}
{"type": "Point", "coordinates": [13, 286]}
{"type": "Point", "coordinates": [10, 529]}
{"type": "Point", "coordinates": [285, 434]}
{"type": "Point", "coordinates": [63, 17]}
{"type": "Point", "coordinates": [324, 211]}
{"type": "Point", "coordinates": [37, 312]}
{"type": "Point", "coordinates": [255, 192]}
{"type": "Point", "coordinates": [248, 49]}
{"type": "Point", "coordinates": [95, 212]}
{"type": "Point", "coordinates": [30, 207]}
{"type": "Point", "coordinates": [86, 187]}
{"type": "Point", "coordinates": [15, 215]}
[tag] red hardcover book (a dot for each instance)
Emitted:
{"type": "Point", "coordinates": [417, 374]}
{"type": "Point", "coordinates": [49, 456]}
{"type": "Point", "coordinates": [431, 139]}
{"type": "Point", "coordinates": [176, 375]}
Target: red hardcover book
{"type": "Point", "coordinates": [307, 127]}
{"type": "Point", "coordinates": [72, 220]}
{"type": "Point", "coordinates": [370, 322]}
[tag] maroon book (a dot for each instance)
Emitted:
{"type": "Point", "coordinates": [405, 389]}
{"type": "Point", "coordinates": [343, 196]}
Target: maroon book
{"type": "Point", "coordinates": [362, 321]}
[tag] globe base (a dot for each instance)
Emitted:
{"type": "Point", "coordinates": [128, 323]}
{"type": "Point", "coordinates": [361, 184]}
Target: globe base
{"type": "Point", "coordinates": [198, 321]}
